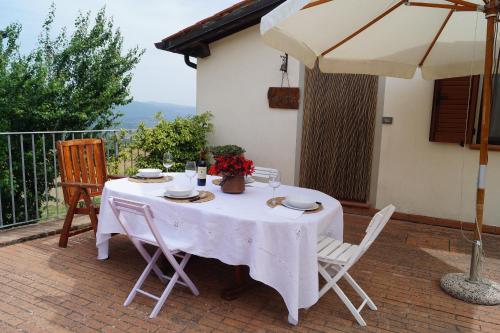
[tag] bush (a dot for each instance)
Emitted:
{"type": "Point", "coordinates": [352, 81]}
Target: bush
{"type": "Point", "coordinates": [227, 150]}
{"type": "Point", "coordinates": [183, 137]}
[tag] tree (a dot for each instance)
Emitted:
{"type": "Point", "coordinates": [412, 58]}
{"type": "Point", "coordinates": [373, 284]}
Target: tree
{"type": "Point", "coordinates": [69, 82]}
{"type": "Point", "coordinates": [66, 83]}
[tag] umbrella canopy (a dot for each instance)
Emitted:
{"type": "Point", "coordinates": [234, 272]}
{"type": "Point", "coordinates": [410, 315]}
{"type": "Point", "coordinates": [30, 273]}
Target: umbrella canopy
{"type": "Point", "coordinates": [445, 38]}
{"type": "Point", "coordinates": [381, 37]}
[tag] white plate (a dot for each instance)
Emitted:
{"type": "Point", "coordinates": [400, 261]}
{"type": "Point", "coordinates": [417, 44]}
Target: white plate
{"type": "Point", "coordinates": [149, 173]}
{"type": "Point", "coordinates": [148, 177]}
{"type": "Point", "coordinates": [192, 195]}
{"type": "Point", "coordinates": [179, 191]}
{"type": "Point", "coordinates": [287, 205]}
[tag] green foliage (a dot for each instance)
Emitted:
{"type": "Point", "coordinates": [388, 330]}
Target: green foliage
{"type": "Point", "coordinates": [227, 150]}
{"type": "Point", "coordinates": [183, 137]}
{"type": "Point", "coordinates": [69, 82]}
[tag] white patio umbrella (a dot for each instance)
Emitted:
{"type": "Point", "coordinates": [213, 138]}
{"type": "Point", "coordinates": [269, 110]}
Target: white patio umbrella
{"type": "Point", "coordinates": [444, 38]}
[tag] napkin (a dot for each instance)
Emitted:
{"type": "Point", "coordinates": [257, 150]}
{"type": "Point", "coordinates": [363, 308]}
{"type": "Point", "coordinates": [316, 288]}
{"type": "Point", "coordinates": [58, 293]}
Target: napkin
{"type": "Point", "coordinates": [286, 212]}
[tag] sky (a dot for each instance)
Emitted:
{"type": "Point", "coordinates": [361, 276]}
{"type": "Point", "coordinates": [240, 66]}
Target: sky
{"type": "Point", "coordinates": [160, 76]}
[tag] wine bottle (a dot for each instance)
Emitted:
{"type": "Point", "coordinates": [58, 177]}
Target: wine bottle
{"type": "Point", "coordinates": [202, 168]}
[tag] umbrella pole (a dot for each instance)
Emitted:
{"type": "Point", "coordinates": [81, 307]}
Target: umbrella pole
{"type": "Point", "coordinates": [475, 267]}
{"type": "Point", "coordinates": [472, 288]}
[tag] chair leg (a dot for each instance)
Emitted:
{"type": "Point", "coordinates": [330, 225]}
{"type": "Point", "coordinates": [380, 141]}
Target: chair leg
{"type": "Point", "coordinates": [186, 278]}
{"type": "Point", "coordinates": [329, 281]}
{"type": "Point", "coordinates": [360, 291]}
{"type": "Point", "coordinates": [349, 305]}
{"type": "Point", "coordinates": [91, 208]}
{"type": "Point", "coordinates": [147, 257]}
{"type": "Point", "coordinates": [178, 273]}
{"type": "Point", "coordinates": [332, 283]}
{"type": "Point", "coordinates": [143, 277]}
{"type": "Point", "coordinates": [164, 296]}
{"type": "Point", "coordinates": [63, 239]}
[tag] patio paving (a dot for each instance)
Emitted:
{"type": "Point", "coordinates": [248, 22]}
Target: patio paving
{"type": "Point", "coordinates": [39, 230]}
{"type": "Point", "coordinates": [47, 289]}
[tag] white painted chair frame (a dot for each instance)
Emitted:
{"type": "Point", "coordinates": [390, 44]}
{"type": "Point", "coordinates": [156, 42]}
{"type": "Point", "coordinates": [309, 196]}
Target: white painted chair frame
{"type": "Point", "coordinates": [263, 173]}
{"type": "Point", "coordinates": [121, 205]}
{"type": "Point", "coordinates": [341, 261]}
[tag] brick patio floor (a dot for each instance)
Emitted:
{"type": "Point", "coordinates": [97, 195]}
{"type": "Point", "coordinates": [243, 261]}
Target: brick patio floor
{"type": "Point", "coordinates": [47, 289]}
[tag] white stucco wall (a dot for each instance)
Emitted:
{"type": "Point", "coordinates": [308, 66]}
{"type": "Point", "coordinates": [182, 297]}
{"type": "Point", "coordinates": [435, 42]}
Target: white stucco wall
{"type": "Point", "coordinates": [232, 83]}
{"type": "Point", "coordinates": [418, 176]}
{"type": "Point", "coordinates": [426, 178]}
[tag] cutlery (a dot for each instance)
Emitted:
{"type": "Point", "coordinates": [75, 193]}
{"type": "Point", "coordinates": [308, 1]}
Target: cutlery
{"type": "Point", "coordinates": [199, 197]}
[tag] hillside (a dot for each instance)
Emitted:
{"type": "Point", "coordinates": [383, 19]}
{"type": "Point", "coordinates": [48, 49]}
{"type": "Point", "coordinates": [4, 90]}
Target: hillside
{"type": "Point", "coordinates": [137, 112]}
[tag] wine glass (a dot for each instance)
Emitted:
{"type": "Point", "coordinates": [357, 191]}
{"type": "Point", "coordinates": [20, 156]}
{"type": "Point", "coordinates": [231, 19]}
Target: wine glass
{"type": "Point", "coordinates": [274, 182]}
{"type": "Point", "coordinates": [168, 160]}
{"type": "Point", "coordinates": [190, 170]}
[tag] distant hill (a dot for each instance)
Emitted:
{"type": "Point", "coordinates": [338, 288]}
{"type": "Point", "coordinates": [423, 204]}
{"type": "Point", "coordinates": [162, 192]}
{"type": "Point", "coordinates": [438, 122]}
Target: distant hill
{"type": "Point", "coordinates": [137, 112]}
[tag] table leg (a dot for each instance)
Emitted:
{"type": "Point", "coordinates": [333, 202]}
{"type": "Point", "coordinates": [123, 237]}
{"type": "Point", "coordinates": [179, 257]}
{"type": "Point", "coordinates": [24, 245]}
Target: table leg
{"type": "Point", "coordinates": [103, 250]}
{"type": "Point", "coordinates": [242, 283]}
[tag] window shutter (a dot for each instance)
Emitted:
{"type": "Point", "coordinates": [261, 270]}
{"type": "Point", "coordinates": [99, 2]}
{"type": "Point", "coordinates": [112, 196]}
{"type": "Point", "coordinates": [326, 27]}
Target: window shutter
{"type": "Point", "coordinates": [495, 113]}
{"type": "Point", "coordinates": [454, 109]}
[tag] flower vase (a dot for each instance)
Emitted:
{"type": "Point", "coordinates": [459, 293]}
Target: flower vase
{"type": "Point", "coordinates": [233, 184]}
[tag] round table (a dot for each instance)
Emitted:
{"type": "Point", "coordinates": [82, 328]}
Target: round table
{"type": "Point", "coordinates": [277, 244]}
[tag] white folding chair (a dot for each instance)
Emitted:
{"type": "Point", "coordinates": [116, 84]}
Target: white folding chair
{"type": "Point", "coordinates": [339, 257]}
{"type": "Point", "coordinates": [153, 237]}
{"type": "Point", "coordinates": [263, 173]}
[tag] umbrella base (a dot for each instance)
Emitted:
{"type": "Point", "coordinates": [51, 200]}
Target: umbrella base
{"type": "Point", "coordinates": [484, 292]}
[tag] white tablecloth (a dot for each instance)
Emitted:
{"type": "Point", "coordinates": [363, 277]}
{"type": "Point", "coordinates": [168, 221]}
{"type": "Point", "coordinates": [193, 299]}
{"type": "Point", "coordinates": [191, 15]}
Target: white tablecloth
{"type": "Point", "coordinates": [238, 229]}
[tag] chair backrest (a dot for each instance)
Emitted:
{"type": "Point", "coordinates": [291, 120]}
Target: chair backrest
{"type": "Point", "coordinates": [263, 173]}
{"type": "Point", "coordinates": [121, 206]}
{"type": "Point", "coordinates": [374, 229]}
{"type": "Point", "coordinates": [82, 161]}
{"type": "Point", "coordinates": [376, 225]}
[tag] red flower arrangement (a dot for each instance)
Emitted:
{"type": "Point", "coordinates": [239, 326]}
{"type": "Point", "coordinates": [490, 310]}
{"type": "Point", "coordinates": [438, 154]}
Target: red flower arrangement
{"type": "Point", "coordinates": [228, 165]}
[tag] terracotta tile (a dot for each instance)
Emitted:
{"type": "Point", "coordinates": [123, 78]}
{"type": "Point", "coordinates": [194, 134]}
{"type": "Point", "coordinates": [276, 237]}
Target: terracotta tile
{"type": "Point", "coordinates": [47, 289]}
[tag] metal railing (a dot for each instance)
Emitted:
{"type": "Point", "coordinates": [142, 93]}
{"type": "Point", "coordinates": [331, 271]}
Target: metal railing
{"type": "Point", "coordinates": [29, 173]}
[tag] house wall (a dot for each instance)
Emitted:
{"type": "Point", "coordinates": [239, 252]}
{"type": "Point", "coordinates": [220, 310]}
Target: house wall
{"type": "Point", "coordinates": [377, 133]}
{"type": "Point", "coordinates": [232, 83]}
{"type": "Point", "coordinates": [427, 178]}
{"type": "Point", "coordinates": [418, 176]}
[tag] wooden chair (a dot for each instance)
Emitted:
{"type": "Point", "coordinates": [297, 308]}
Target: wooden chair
{"type": "Point", "coordinates": [82, 165]}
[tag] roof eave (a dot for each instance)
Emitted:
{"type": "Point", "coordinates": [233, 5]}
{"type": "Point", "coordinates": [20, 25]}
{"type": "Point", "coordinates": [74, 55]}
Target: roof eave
{"type": "Point", "coordinates": [195, 42]}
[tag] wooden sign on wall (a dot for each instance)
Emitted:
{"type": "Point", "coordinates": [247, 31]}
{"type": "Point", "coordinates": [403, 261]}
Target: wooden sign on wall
{"type": "Point", "coordinates": [283, 98]}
